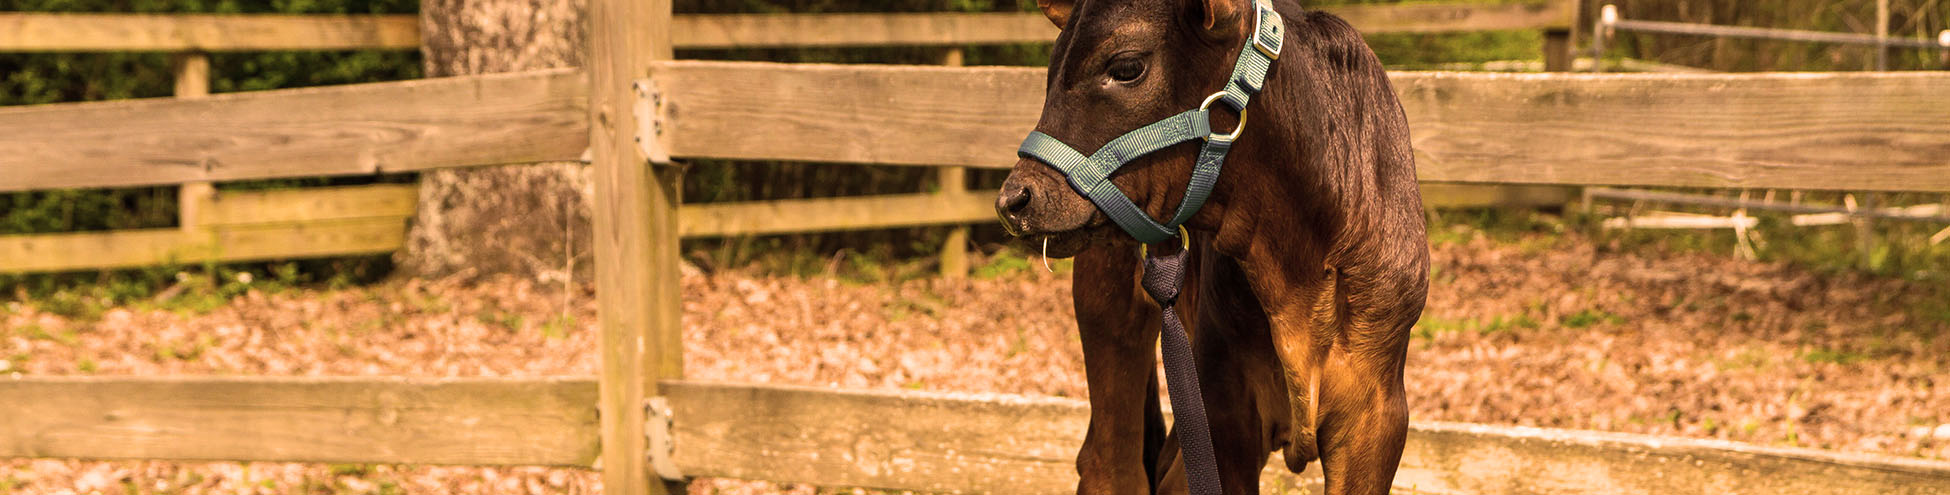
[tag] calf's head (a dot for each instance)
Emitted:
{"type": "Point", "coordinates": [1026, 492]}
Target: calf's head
{"type": "Point", "coordinates": [1117, 66]}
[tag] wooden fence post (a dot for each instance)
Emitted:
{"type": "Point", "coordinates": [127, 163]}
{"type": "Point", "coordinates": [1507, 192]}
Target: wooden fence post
{"type": "Point", "coordinates": [1557, 50]}
{"type": "Point", "coordinates": [954, 250]}
{"type": "Point", "coordinates": [637, 287]}
{"type": "Point", "coordinates": [192, 81]}
{"type": "Point", "coordinates": [1557, 39]}
{"type": "Point", "coordinates": [1865, 230]}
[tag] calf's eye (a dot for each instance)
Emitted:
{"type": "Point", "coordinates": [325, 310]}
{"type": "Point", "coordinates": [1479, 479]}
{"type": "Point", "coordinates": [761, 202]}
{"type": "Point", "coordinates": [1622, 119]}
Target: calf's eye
{"type": "Point", "coordinates": [1126, 69]}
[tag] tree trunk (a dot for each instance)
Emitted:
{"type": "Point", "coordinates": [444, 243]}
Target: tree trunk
{"type": "Point", "coordinates": [527, 220]}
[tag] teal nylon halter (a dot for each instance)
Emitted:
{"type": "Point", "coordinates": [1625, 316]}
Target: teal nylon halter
{"type": "Point", "coordinates": [1090, 175]}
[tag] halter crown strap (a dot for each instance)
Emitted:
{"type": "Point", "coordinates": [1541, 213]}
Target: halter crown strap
{"type": "Point", "coordinates": [1090, 175]}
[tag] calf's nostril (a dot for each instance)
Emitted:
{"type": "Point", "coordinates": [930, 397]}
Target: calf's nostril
{"type": "Point", "coordinates": [1015, 199]}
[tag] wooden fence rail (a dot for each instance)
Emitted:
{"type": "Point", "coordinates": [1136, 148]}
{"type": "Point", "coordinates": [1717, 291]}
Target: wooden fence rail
{"type": "Point", "coordinates": [939, 29]}
{"type": "Point", "coordinates": [976, 443]}
{"type": "Point", "coordinates": [79, 32]}
{"type": "Point", "coordinates": [1836, 131]}
{"type": "Point", "coordinates": [72, 32]}
{"type": "Point", "coordinates": [1849, 131]}
{"type": "Point", "coordinates": [340, 130]}
{"type": "Point", "coordinates": [234, 226]}
{"type": "Point", "coordinates": [485, 421]}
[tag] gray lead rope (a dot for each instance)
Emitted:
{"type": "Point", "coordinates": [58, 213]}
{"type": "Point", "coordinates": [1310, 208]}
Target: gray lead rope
{"type": "Point", "coordinates": [1164, 276]}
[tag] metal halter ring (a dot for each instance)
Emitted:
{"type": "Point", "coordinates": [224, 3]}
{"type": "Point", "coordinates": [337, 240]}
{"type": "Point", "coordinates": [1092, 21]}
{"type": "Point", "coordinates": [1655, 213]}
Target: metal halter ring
{"type": "Point", "coordinates": [1207, 104]}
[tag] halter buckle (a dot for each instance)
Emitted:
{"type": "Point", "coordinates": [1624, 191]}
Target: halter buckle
{"type": "Point", "coordinates": [1260, 9]}
{"type": "Point", "coordinates": [1206, 107]}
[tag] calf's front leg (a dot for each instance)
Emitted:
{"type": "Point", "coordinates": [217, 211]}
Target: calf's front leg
{"type": "Point", "coordinates": [1119, 328]}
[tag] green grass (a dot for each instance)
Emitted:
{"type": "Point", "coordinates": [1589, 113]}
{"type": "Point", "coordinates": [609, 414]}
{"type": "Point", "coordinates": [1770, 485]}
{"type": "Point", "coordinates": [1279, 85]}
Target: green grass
{"type": "Point", "coordinates": [1937, 311]}
{"type": "Point", "coordinates": [1531, 230]}
{"type": "Point", "coordinates": [1833, 356]}
{"type": "Point", "coordinates": [184, 351]}
{"type": "Point", "coordinates": [1009, 262]}
{"type": "Point", "coordinates": [507, 321]}
{"type": "Point", "coordinates": [558, 327]}
{"type": "Point", "coordinates": [86, 296]}
{"type": "Point", "coordinates": [926, 305]}
{"type": "Point", "coordinates": [1433, 327]}
{"type": "Point", "coordinates": [1752, 358]}
{"type": "Point", "coordinates": [1003, 264]}
{"type": "Point", "coordinates": [34, 331]}
{"type": "Point", "coordinates": [1589, 317]}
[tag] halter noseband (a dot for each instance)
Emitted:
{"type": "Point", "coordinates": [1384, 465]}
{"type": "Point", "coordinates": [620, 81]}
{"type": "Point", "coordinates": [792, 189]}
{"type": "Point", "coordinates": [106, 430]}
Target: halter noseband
{"type": "Point", "coordinates": [1091, 175]}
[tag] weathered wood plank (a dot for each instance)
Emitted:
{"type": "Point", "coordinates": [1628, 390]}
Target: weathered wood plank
{"type": "Point", "coordinates": [1454, 17]}
{"type": "Point", "coordinates": [836, 214]}
{"type": "Point", "coordinates": [342, 130]}
{"type": "Point", "coordinates": [954, 28]}
{"type": "Point", "coordinates": [1466, 458]}
{"type": "Point", "coordinates": [883, 439]}
{"type": "Point", "coordinates": [918, 29]}
{"type": "Point", "coordinates": [1010, 444]}
{"type": "Point", "coordinates": [90, 250]}
{"type": "Point", "coordinates": [1792, 131]}
{"type": "Point", "coordinates": [637, 291]}
{"type": "Point", "coordinates": [972, 443]}
{"type": "Point", "coordinates": [309, 204]}
{"type": "Point", "coordinates": [307, 240]}
{"type": "Point", "coordinates": [910, 115]}
{"type": "Point", "coordinates": [72, 32]}
{"type": "Point", "coordinates": [484, 421]}
{"type": "Point", "coordinates": [1860, 131]}
{"type": "Point", "coordinates": [217, 243]}
{"type": "Point", "coordinates": [1857, 131]}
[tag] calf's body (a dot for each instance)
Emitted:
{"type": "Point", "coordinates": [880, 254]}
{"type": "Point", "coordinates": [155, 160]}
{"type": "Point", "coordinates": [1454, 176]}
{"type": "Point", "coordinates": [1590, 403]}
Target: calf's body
{"type": "Point", "coordinates": [1310, 256]}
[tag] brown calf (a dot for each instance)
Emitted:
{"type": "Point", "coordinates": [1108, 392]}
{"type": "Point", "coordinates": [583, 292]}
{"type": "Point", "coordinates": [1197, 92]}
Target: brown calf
{"type": "Point", "coordinates": [1310, 260]}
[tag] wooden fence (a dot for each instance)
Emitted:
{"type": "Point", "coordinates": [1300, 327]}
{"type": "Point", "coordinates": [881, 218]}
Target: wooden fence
{"type": "Point", "coordinates": [888, 439]}
{"type": "Point", "coordinates": [247, 154]}
{"type": "Point", "coordinates": [1799, 131]}
{"type": "Point", "coordinates": [1802, 131]}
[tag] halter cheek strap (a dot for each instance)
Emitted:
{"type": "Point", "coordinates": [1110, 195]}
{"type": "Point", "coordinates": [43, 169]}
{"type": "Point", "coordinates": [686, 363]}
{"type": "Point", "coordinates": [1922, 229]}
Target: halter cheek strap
{"type": "Point", "coordinates": [1090, 175]}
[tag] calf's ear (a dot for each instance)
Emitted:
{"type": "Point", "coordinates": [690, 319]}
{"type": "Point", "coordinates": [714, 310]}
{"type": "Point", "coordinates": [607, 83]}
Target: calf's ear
{"type": "Point", "coordinates": [1222, 19]}
{"type": "Point", "coordinates": [1058, 11]}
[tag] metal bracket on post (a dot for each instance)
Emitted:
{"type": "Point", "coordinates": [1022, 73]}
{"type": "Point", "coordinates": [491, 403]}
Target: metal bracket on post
{"type": "Point", "coordinates": [661, 446]}
{"type": "Point", "coordinates": [649, 110]}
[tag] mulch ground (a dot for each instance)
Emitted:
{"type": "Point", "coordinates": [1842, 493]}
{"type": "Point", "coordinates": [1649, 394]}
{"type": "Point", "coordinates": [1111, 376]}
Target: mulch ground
{"type": "Point", "coordinates": [1561, 332]}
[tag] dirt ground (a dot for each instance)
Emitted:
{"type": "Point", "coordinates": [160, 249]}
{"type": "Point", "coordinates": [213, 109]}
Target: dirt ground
{"type": "Point", "coordinates": [1561, 332]}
